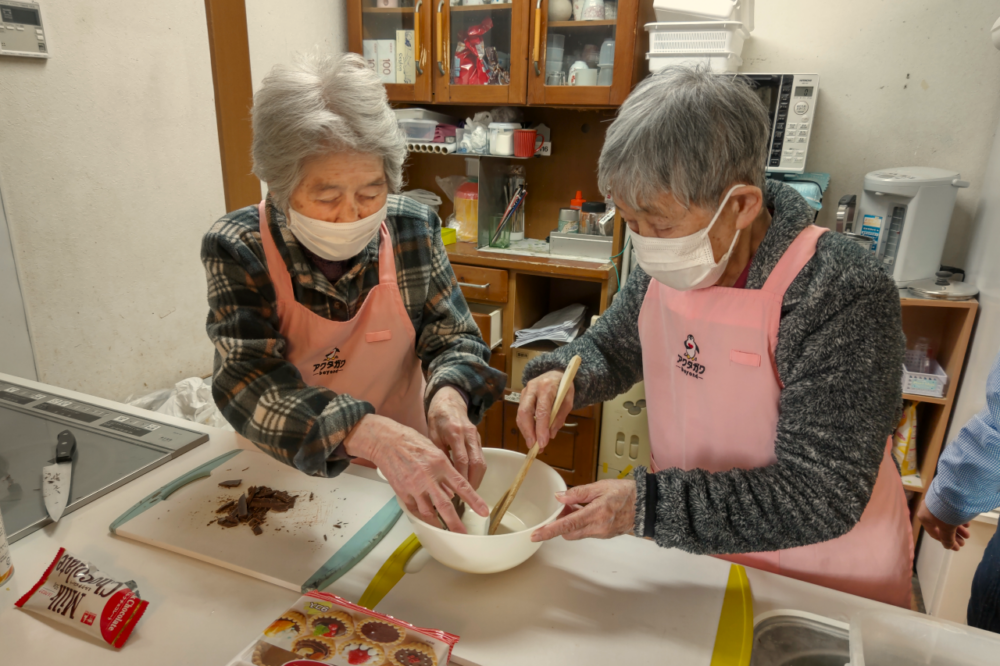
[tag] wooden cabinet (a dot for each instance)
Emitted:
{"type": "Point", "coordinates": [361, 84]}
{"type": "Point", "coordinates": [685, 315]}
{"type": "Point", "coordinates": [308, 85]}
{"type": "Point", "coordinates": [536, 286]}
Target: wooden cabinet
{"type": "Point", "coordinates": [516, 32]}
{"type": "Point", "coordinates": [482, 285]}
{"type": "Point", "coordinates": [571, 451]}
{"type": "Point", "coordinates": [369, 23]}
{"type": "Point", "coordinates": [507, 33]}
{"type": "Point", "coordinates": [548, 74]}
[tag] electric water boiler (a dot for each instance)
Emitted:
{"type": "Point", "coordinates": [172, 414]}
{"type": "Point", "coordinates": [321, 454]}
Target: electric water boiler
{"type": "Point", "coordinates": [906, 211]}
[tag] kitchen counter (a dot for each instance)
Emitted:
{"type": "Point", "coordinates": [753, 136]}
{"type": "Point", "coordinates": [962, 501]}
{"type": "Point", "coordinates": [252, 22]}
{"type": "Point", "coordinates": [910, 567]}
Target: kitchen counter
{"type": "Point", "coordinates": [573, 602]}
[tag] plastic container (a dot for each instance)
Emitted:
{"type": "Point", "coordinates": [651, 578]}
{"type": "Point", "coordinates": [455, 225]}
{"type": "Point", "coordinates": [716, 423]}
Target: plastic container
{"type": "Point", "coordinates": [419, 130]}
{"type": "Point", "coordinates": [898, 638]}
{"type": "Point", "coordinates": [605, 75]}
{"type": "Point", "coordinates": [607, 52]}
{"type": "Point", "coordinates": [705, 10]}
{"type": "Point", "coordinates": [6, 565]}
{"type": "Point", "coordinates": [502, 138]}
{"type": "Point", "coordinates": [727, 63]}
{"type": "Point", "coordinates": [467, 212]}
{"type": "Point", "coordinates": [590, 214]}
{"type": "Point", "coordinates": [697, 37]}
{"type": "Point", "coordinates": [418, 113]}
{"type": "Point", "coordinates": [932, 384]}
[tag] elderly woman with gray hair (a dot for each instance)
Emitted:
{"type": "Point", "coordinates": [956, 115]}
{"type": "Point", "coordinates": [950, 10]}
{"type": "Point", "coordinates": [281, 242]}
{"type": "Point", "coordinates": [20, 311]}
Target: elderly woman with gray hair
{"type": "Point", "coordinates": [339, 328]}
{"type": "Point", "coordinates": [771, 355]}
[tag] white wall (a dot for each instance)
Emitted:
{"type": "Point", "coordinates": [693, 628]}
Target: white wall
{"type": "Point", "coordinates": [277, 31]}
{"type": "Point", "coordinates": [902, 83]}
{"type": "Point", "coordinates": [109, 164]}
{"type": "Point", "coordinates": [984, 272]}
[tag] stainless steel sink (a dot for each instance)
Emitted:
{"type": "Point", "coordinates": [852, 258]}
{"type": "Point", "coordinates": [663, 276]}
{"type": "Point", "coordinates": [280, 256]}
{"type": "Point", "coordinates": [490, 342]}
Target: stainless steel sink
{"type": "Point", "coordinates": [791, 638]}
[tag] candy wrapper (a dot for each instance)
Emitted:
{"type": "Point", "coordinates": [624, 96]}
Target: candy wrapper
{"type": "Point", "coordinates": [73, 592]}
{"type": "Point", "coordinates": [322, 628]}
{"type": "Point", "coordinates": [470, 55]}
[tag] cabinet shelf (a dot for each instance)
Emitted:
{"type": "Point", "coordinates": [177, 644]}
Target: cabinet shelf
{"type": "Point", "coordinates": [481, 8]}
{"type": "Point", "coordinates": [581, 24]}
{"type": "Point", "coordinates": [925, 398]}
{"type": "Point", "coordinates": [387, 10]}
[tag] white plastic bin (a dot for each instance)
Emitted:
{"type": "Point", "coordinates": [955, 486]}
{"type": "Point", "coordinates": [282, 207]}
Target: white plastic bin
{"type": "Point", "coordinates": [418, 130]}
{"type": "Point", "coordinates": [697, 37]}
{"type": "Point", "coordinates": [932, 384]}
{"type": "Point", "coordinates": [719, 63]}
{"type": "Point", "coordinates": [899, 638]}
{"type": "Point", "coordinates": [705, 10]}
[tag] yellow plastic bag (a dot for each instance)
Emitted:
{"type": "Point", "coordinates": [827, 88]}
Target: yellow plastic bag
{"type": "Point", "coordinates": [904, 440]}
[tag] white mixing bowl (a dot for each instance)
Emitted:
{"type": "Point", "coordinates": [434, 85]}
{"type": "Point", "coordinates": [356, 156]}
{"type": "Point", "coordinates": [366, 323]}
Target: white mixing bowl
{"type": "Point", "coordinates": [535, 505]}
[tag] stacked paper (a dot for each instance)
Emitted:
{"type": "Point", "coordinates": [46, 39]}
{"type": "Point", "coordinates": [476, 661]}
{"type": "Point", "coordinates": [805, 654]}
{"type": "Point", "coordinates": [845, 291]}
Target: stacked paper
{"type": "Point", "coordinates": [561, 326]}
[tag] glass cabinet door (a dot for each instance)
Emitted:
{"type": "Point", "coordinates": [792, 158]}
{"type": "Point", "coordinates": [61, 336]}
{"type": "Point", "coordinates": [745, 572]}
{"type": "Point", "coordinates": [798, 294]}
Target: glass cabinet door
{"type": "Point", "coordinates": [480, 51]}
{"type": "Point", "coordinates": [582, 51]}
{"type": "Point", "coordinates": [394, 37]}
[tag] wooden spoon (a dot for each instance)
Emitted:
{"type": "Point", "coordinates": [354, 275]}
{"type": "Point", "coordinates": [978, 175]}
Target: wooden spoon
{"type": "Point", "coordinates": [508, 497]}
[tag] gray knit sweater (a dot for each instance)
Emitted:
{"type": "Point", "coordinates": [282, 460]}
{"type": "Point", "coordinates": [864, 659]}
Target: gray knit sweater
{"type": "Point", "coordinates": [839, 353]}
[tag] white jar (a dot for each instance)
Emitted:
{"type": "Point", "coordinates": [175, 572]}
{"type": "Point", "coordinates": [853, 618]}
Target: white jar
{"type": "Point", "coordinates": [502, 138]}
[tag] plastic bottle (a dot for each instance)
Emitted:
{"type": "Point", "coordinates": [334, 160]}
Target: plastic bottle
{"type": "Point", "coordinates": [6, 566]}
{"type": "Point", "coordinates": [578, 202]}
{"type": "Point", "coordinates": [467, 203]}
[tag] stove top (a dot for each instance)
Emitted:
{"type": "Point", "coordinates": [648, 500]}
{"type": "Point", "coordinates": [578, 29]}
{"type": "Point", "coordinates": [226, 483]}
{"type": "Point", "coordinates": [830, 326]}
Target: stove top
{"type": "Point", "coordinates": [112, 448]}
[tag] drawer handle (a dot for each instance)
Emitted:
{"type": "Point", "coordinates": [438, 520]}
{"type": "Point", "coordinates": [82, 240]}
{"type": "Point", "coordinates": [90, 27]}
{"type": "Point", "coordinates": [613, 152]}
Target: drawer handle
{"type": "Point", "coordinates": [474, 286]}
{"type": "Point", "coordinates": [569, 425]}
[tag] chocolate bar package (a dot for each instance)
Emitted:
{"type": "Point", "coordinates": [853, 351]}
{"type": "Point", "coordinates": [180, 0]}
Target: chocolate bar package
{"type": "Point", "coordinates": [322, 628]}
{"type": "Point", "coordinates": [75, 593]}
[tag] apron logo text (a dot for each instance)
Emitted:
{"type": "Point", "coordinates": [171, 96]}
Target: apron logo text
{"type": "Point", "coordinates": [330, 365]}
{"type": "Point", "coordinates": [688, 361]}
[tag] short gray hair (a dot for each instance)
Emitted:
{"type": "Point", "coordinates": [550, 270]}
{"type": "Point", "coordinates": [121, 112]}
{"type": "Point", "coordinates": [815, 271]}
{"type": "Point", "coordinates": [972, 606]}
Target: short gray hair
{"type": "Point", "coordinates": [322, 104]}
{"type": "Point", "coordinates": [688, 132]}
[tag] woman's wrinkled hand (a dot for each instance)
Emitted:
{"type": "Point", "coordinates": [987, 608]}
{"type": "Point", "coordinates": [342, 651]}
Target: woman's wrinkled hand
{"type": "Point", "coordinates": [451, 430]}
{"type": "Point", "coordinates": [418, 471]}
{"type": "Point", "coordinates": [537, 400]}
{"type": "Point", "coordinates": [600, 510]}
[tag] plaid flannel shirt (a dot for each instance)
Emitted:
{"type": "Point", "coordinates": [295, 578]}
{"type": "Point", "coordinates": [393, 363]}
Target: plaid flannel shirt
{"type": "Point", "coordinates": [264, 397]}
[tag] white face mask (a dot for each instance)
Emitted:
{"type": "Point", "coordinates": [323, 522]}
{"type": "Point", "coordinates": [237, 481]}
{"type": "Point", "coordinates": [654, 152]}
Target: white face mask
{"type": "Point", "coordinates": [684, 263]}
{"type": "Point", "coordinates": [335, 241]}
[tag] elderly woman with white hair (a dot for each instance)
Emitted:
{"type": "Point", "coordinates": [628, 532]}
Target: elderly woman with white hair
{"type": "Point", "coordinates": [771, 355]}
{"type": "Point", "coordinates": [339, 328]}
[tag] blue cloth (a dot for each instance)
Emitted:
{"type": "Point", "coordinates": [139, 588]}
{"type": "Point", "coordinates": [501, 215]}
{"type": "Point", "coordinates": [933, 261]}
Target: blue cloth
{"type": "Point", "coordinates": [984, 604]}
{"type": "Point", "coordinates": [967, 482]}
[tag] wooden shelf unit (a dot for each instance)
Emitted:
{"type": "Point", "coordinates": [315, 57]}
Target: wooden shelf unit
{"type": "Point", "coordinates": [948, 325]}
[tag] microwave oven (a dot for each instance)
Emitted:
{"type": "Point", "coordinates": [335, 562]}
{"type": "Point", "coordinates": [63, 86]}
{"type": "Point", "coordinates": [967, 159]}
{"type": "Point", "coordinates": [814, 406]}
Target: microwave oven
{"type": "Point", "coordinates": [790, 100]}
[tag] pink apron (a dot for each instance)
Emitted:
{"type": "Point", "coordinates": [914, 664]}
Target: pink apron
{"type": "Point", "coordinates": [709, 368]}
{"type": "Point", "coordinates": [371, 357]}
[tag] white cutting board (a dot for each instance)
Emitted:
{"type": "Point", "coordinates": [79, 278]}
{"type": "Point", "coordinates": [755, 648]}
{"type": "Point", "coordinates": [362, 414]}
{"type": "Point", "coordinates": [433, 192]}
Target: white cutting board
{"type": "Point", "coordinates": [292, 549]}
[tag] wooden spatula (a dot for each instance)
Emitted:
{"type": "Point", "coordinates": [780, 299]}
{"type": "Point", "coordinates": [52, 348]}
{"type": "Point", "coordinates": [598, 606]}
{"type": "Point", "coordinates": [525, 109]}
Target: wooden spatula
{"type": "Point", "coordinates": [500, 508]}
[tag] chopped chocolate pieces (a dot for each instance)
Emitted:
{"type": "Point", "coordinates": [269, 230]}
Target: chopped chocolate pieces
{"type": "Point", "coordinates": [324, 537]}
{"type": "Point", "coordinates": [252, 507]}
{"type": "Point", "coordinates": [310, 497]}
{"type": "Point", "coordinates": [229, 520]}
{"type": "Point", "coordinates": [234, 483]}
{"type": "Point", "coordinates": [273, 503]}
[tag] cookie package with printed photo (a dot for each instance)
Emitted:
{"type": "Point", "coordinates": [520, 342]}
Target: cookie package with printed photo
{"type": "Point", "coordinates": [322, 628]}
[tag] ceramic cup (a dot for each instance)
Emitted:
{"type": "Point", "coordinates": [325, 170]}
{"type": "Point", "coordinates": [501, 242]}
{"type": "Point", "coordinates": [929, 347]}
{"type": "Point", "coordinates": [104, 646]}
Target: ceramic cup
{"type": "Point", "coordinates": [388, 3]}
{"type": "Point", "coordinates": [527, 142]}
{"type": "Point", "coordinates": [583, 77]}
